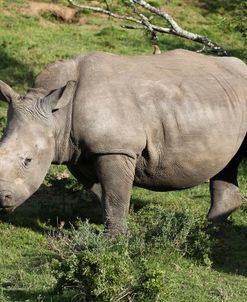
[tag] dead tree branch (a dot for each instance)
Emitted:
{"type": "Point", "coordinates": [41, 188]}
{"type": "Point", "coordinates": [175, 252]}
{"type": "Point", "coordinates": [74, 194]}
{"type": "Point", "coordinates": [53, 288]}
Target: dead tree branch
{"type": "Point", "coordinates": [181, 32]}
{"type": "Point", "coordinates": [145, 23]}
{"type": "Point", "coordinates": [144, 19]}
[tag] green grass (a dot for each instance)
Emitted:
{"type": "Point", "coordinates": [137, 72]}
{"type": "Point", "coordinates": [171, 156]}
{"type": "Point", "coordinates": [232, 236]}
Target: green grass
{"type": "Point", "coordinates": [27, 44]}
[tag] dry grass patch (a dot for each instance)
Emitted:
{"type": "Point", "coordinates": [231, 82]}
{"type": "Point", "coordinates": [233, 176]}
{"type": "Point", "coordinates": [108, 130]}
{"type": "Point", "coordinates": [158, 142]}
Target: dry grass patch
{"type": "Point", "coordinates": [61, 13]}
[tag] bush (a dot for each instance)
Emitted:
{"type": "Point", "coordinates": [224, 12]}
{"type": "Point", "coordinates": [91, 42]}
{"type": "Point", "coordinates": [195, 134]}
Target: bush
{"type": "Point", "coordinates": [105, 269]}
{"type": "Point", "coordinates": [237, 23]}
{"type": "Point", "coordinates": [240, 19]}
{"type": "Point", "coordinates": [99, 267]}
{"type": "Point", "coordinates": [179, 230]}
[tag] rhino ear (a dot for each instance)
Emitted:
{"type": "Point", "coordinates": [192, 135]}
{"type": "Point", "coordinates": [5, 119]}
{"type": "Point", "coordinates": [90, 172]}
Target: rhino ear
{"type": "Point", "coordinates": [7, 94]}
{"type": "Point", "coordinates": [60, 97]}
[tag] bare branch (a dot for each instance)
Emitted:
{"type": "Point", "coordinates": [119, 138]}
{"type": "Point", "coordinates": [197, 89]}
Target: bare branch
{"type": "Point", "coordinates": [177, 30]}
{"type": "Point", "coordinates": [128, 26]}
{"type": "Point", "coordinates": [202, 49]}
{"type": "Point", "coordinates": [144, 20]}
{"type": "Point", "coordinates": [125, 293]}
{"type": "Point", "coordinates": [107, 5]}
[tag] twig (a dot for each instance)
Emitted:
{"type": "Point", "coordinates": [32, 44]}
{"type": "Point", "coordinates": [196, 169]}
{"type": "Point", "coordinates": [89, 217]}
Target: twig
{"type": "Point", "coordinates": [107, 5]}
{"type": "Point", "coordinates": [144, 20]}
{"type": "Point", "coordinates": [125, 293]}
{"type": "Point", "coordinates": [128, 26]}
{"type": "Point", "coordinates": [200, 51]}
{"type": "Point", "coordinates": [244, 197]}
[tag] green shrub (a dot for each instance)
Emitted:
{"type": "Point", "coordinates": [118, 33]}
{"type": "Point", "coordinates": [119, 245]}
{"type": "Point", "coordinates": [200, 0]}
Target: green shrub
{"type": "Point", "coordinates": [105, 269]}
{"type": "Point", "coordinates": [99, 267]}
{"type": "Point", "coordinates": [238, 21]}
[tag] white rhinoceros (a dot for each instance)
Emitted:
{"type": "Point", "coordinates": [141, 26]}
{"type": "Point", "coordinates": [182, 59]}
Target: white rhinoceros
{"type": "Point", "coordinates": [162, 122]}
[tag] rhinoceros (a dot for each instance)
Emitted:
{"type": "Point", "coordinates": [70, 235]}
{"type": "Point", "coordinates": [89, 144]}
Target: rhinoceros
{"type": "Point", "coordinates": [163, 123]}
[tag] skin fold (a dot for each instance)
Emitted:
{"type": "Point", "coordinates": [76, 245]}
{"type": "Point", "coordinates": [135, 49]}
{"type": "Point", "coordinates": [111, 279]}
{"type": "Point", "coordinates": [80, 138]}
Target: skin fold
{"type": "Point", "coordinates": [164, 122]}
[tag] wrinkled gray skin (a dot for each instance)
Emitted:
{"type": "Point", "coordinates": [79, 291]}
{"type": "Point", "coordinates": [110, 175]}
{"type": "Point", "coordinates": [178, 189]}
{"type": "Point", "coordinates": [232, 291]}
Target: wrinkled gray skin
{"type": "Point", "coordinates": [162, 122]}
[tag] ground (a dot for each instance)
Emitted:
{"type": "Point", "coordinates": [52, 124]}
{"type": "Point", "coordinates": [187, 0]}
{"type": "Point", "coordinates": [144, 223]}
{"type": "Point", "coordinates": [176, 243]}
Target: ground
{"type": "Point", "coordinates": [32, 34]}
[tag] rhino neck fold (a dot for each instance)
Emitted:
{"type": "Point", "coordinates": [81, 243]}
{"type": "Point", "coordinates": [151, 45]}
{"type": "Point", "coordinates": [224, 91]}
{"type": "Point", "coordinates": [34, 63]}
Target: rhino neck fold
{"type": "Point", "coordinates": [65, 149]}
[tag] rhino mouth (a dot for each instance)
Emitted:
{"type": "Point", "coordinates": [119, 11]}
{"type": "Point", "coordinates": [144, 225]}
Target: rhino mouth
{"type": "Point", "coordinates": [8, 209]}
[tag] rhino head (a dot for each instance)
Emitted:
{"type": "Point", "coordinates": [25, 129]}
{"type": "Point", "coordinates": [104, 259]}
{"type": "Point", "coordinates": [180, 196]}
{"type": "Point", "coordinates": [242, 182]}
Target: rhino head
{"type": "Point", "coordinates": [27, 147]}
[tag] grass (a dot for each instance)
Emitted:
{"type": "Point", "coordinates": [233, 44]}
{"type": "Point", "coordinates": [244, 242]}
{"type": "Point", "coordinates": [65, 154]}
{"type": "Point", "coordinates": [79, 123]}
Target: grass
{"type": "Point", "coordinates": [27, 44]}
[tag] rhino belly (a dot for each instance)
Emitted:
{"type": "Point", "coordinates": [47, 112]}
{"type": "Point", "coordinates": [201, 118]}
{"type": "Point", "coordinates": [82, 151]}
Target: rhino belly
{"type": "Point", "coordinates": [185, 167]}
{"type": "Point", "coordinates": [183, 153]}
{"type": "Point", "coordinates": [176, 174]}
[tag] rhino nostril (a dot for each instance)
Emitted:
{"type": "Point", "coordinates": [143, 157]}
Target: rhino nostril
{"type": "Point", "coordinates": [6, 199]}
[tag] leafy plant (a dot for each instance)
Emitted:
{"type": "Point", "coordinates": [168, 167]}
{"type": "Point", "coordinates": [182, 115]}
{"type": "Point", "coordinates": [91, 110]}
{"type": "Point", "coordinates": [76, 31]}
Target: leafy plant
{"type": "Point", "coordinates": [101, 268]}
{"type": "Point", "coordinates": [240, 19]}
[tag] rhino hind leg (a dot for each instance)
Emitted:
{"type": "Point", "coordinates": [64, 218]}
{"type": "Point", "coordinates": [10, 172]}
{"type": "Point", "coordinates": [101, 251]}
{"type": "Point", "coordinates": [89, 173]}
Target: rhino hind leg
{"type": "Point", "coordinates": [225, 193]}
{"type": "Point", "coordinates": [116, 175]}
{"type": "Point", "coordinates": [225, 197]}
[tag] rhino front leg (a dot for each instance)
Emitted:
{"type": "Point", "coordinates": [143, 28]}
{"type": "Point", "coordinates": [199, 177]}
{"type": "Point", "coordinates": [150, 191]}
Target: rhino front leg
{"type": "Point", "coordinates": [225, 193]}
{"type": "Point", "coordinates": [96, 189]}
{"type": "Point", "coordinates": [116, 175]}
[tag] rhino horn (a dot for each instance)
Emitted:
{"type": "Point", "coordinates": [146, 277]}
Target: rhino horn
{"type": "Point", "coordinates": [7, 94]}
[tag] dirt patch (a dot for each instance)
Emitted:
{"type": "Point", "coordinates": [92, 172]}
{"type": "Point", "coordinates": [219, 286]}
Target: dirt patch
{"type": "Point", "coordinates": [5, 12]}
{"type": "Point", "coordinates": [61, 13]}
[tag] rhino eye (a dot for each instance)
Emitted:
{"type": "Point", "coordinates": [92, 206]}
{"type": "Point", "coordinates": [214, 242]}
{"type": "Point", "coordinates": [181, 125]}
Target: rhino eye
{"type": "Point", "coordinates": [27, 161]}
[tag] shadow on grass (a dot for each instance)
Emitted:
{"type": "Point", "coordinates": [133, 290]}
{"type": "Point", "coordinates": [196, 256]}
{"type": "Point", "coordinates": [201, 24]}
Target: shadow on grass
{"type": "Point", "coordinates": [228, 243]}
{"type": "Point", "coordinates": [54, 204]}
{"type": "Point", "coordinates": [13, 71]}
{"type": "Point", "coordinates": [229, 250]}
{"type": "Point", "coordinates": [16, 295]}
